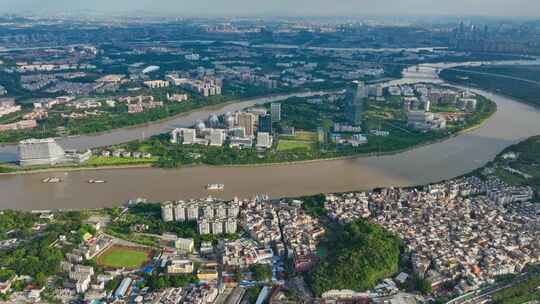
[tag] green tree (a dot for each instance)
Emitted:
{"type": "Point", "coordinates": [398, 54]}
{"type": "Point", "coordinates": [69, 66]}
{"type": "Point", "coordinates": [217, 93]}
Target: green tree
{"type": "Point", "coordinates": [261, 272]}
{"type": "Point", "coordinates": [360, 255]}
{"type": "Point", "coordinates": [40, 279]}
{"type": "Point", "coordinates": [423, 285]}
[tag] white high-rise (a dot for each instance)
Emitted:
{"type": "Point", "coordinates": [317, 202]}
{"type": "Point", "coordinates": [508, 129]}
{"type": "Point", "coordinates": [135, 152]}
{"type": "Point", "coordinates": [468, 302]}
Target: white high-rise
{"type": "Point", "coordinates": [264, 140]}
{"type": "Point", "coordinates": [40, 152]}
{"type": "Point", "coordinates": [167, 212]}
{"type": "Point", "coordinates": [217, 137]}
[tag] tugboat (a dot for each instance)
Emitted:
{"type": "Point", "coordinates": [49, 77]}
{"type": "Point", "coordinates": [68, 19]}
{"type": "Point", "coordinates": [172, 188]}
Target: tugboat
{"type": "Point", "coordinates": [51, 180]}
{"type": "Point", "coordinates": [96, 181]}
{"type": "Point", "coordinates": [215, 187]}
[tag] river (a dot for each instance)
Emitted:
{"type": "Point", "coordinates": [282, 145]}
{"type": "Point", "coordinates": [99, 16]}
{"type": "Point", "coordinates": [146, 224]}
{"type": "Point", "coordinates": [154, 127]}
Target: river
{"type": "Point", "coordinates": [8, 152]}
{"type": "Point", "coordinates": [513, 122]}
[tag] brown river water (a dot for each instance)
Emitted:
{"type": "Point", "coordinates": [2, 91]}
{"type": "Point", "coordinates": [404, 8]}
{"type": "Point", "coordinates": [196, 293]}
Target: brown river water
{"type": "Point", "coordinates": [512, 123]}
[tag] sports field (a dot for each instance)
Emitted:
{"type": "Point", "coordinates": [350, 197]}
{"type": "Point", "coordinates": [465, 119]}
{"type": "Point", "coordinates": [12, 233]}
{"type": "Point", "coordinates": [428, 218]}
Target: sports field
{"type": "Point", "coordinates": [124, 257]}
{"type": "Point", "coordinates": [302, 140]}
{"type": "Point", "coordinates": [285, 145]}
{"type": "Point", "coordinates": [302, 136]}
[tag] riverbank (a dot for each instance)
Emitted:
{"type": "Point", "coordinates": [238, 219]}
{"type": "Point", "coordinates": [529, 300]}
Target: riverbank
{"type": "Point", "coordinates": [300, 162]}
{"type": "Point", "coordinates": [74, 169]}
{"type": "Point", "coordinates": [517, 82]}
{"type": "Point", "coordinates": [8, 152]}
{"type": "Point", "coordinates": [446, 159]}
{"type": "Point", "coordinates": [218, 105]}
{"type": "Point", "coordinates": [487, 108]}
{"type": "Point", "coordinates": [308, 148]}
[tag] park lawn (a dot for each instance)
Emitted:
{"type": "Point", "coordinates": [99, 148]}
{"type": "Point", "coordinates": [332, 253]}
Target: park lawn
{"type": "Point", "coordinates": [118, 161]}
{"type": "Point", "coordinates": [286, 145]}
{"type": "Point", "coordinates": [301, 136]}
{"type": "Point", "coordinates": [123, 257]}
{"type": "Point", "coordinates": [448, 108]}
{"type": "Point", "coordinates": [305, 136]}
{"type": "Point", "coordinates": [7, 168]}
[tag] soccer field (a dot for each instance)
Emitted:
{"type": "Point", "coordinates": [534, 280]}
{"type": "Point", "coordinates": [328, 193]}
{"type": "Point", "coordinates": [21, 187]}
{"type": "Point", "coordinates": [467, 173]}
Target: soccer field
{"type": "Point", "coordinates": [302, 140]}
{"type": "Point", "coordinates": [285, 145]}
{"type": "Point", "coordinates": [124, 257]}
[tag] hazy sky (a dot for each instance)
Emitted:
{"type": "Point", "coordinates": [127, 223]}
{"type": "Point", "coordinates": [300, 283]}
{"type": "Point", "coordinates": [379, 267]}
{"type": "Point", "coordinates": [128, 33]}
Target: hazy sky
{"type": "Point", "coordinates": [529, 8]}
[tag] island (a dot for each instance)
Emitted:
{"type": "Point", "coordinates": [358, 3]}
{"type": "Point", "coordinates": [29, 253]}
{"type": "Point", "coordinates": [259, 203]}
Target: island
{"type": "Point", "coordinates": [361, 120]}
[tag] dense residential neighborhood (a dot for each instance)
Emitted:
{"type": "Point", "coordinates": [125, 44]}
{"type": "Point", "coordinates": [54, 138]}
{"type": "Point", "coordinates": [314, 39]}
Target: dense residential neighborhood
{"type": "Point", "coordinates": [458, 236]}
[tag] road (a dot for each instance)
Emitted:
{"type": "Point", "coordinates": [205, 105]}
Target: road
{"type": "Point", "coordinates": [236, 295]}
{"type": "Point", "coordinates": [484, 294]}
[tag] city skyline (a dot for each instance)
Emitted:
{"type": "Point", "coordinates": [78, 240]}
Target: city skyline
{"type": "Point", "coordinates": [499, 8]}
{"type": "Point", "coordinates": [269, 152]}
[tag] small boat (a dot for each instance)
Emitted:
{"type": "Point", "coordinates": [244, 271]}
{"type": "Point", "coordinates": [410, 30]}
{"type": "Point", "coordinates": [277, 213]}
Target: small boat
{"type": "Point", "coordinates": [96, 181]}
{"type": "Point", "coordinates": [215, 187]}
{"type": "Point", "coordinates": [51, 180]}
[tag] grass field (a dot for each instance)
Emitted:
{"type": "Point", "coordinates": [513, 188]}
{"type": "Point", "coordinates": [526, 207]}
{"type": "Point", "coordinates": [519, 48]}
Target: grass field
{"type": "Point", "coordinates": [306, 136]}
{"type": "Point", "coordinates": [301, 140]}
{"type": "Point", "coordinates": [117, 161]}
{"type": "Point", "coordinates": [285, 145]}
{"type": "Point", "coordinates": [301, 136]}
{"type": "Point", "coordinates": [124, 257]}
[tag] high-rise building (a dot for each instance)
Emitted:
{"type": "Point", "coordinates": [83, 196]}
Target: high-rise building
{"type": "Point", "coordinates": [184, 136]}
{"type": "Point", "coordinates": [379, 90]}
{"type": "Point", "coordinates": [220, 211]}
{"type": "Point", "coordinates": [361, 89]}
{"type": "Point", "coordinates": [192, 212]}
{"type": "Point", "coordinates": [230, 120]}
{"type": "Point", "coordinates": [237, 132]}
{"type": "Point", "coordinates": [355, 103]}
{"type": "Point", "coordinates": [375, 90]}
{"type": "Point", "coordinates": [427, 105]}
{"type": "Point", "coordinates": [167, 212]}
{"type": "Point", "coordinates": [40, 152]}
{"type": "Point", "coordinates": [233, 211]}
{"type": "Point", "coordinates": [208, 212]}
{"type": "Point", "coordinates": [204, 226]}
{"type": "Point", "coordinates": [275, 112]}
{"type": "Point", "coordinates": [213, 121]}
{"type": "Point", "coordinates": [230, 226]}
{"type": "Point", "coordinates": [264, 140]}
{"type": "Point", "coordinates": [185, 245]}
{"type": "Point", "coordinates": [217, 137]}
{"type": "Point", "coordinates": [265, 123]}
{"type": "Point", "coordinates": [180, 212]}
{"type": "Point", "coordinates": [217, 227]}
{"type": "Point", "coordinates": [247, 121]}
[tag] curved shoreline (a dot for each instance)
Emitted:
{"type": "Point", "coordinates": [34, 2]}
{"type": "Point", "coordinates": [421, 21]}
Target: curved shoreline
{"type": "Point", "coordinates": [74, 169]}
{"type": "Point", "coordinates": [179, 115]}
{"type": "Point", "coordinates": [270, 164]}
{"type": "Point", "coordinates": [474, 86]}
{"type": "Point", "coordinates": [513, 122]}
